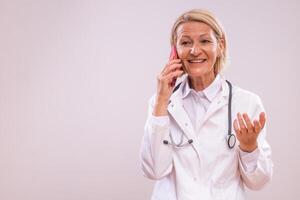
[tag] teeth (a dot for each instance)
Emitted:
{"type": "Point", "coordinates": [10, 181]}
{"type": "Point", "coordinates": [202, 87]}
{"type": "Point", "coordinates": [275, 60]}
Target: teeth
{"type": "Point", "coordinates": [197, 61]}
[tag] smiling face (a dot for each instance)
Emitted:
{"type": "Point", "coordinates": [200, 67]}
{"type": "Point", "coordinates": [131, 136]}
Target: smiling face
{"type": "Point", "coordinates": [199, 48]}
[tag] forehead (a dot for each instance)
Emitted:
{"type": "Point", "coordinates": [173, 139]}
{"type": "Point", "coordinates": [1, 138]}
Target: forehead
{"type": "Point", "coordinates": [193, 29]}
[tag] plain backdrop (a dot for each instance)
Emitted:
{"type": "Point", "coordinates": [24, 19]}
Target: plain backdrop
{"type": "Point", "coordinates": [76, 76]}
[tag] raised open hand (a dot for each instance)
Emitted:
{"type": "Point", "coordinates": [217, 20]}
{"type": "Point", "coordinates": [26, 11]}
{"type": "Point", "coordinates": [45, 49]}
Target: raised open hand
{"type": "Point", "coordinates": [247, 131]}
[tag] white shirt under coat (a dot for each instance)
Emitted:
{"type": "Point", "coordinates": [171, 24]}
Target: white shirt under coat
{"type": "Point", "coordinates": [207, 168]}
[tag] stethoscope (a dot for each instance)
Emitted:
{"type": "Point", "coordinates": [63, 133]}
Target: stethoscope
{"type": "Point", "coordinates": [230, 138]}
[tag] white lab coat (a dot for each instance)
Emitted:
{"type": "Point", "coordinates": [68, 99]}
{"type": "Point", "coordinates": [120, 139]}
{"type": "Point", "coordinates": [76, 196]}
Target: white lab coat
{"type": "Point", "coordinates": [207, 168]}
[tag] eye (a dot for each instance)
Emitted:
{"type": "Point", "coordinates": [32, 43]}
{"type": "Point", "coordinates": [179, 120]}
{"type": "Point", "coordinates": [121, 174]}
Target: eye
{"type": "Point", "coordinates": [184, 43]}
{"type": "Point", "coordinates": [205, 41]}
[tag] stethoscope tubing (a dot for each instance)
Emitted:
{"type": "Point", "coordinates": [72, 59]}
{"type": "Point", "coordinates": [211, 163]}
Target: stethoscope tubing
{"type": "Point", "coordinates": [231, 139]}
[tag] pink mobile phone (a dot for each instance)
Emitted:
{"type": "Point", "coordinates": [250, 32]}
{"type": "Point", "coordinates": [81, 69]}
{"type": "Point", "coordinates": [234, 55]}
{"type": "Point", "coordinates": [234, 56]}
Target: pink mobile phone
{"type": "Point", "coordinates": [174, 55]}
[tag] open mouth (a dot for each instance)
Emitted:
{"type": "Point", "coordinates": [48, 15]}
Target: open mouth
{"type": "Point", "coordinates": [197, 60]}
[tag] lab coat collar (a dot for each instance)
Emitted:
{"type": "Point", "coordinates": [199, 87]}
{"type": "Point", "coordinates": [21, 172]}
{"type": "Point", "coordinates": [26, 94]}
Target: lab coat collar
{"type": "Point", "coordinates": [177, 111]}
{"type": "Point", "coordinates": [210, 92]}
{"type": "Point", "coordinates": [181, 91]}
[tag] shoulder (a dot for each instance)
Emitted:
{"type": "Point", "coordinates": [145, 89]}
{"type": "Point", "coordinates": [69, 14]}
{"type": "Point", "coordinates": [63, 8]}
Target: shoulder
{"type": "Point", "coordinates": [240, 92]}
{"type": "Point", "coordinates": [245, 99]}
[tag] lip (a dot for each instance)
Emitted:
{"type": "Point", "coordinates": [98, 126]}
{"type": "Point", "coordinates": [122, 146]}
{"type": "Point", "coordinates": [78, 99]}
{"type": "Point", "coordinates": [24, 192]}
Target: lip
{"type": "Point", "coordinates": [200, 60]}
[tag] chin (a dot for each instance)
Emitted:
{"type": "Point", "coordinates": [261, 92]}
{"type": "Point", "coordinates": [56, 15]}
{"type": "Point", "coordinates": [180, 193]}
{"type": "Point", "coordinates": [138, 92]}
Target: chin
{"type": "Point", "coordinates": [197, 72]}
{"type": "Point", "coordinates": [200, 73]}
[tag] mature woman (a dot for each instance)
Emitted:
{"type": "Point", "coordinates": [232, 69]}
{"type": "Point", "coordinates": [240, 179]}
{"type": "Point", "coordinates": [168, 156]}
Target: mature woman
{"type": "Point", "coordinates": [188, 145]}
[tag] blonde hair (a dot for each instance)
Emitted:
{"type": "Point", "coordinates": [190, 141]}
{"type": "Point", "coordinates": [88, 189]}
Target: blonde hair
{"type": "Point", "coordinates": [208, 18]}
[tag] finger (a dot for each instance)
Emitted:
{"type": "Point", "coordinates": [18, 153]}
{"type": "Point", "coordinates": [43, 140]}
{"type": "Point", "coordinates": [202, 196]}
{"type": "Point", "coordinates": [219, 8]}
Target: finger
{"type": "Point", "coordinates": [262, 119]}
{"type": "Point", "coordinates": [248, 122]}
{"type": "Point", "coordinates": [184, 67]}
{"type": "Point", "coordinates": [257, 126]}
{"type": "Point", "coordinates": [236, 126]}
{"type": "Point", "coordinates": [171, 62]}
{"type": "Point", "coordinates": [172, 68]}
{"type": "Point", "coordinates": [174, 61]}
{"type": "Point", "coordinates": [241, 123]}
{"type": "Point", "coordinates": [169, 78]}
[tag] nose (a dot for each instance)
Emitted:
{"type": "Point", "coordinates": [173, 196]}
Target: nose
{"type": "Point", "coordinates": [195, 50]}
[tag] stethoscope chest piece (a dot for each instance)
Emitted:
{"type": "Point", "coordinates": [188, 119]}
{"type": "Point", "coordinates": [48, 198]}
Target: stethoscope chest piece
{"type": "Point", "coordinates": [231, 140]}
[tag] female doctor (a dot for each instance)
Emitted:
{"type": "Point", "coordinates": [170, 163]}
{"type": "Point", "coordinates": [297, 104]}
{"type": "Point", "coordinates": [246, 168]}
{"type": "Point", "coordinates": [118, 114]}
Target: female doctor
{"type": "Point", "coordinates": [188, 145]}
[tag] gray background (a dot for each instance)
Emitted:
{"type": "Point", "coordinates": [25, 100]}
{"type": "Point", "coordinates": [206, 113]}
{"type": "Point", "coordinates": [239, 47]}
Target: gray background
{"type": "Point", "coordinates": [76, 77]}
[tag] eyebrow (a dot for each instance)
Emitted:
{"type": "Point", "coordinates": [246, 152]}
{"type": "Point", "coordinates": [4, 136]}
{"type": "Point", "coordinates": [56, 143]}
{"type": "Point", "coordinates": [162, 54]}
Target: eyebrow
{"type": "Point", "coordinates": [203, 34]}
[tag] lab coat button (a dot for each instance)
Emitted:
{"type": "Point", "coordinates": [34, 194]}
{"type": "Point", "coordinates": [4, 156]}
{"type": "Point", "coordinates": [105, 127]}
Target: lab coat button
{"type": "Point", "coordinates": [195, 179]}
{"type": "Point", "coordinates": [186, 124]}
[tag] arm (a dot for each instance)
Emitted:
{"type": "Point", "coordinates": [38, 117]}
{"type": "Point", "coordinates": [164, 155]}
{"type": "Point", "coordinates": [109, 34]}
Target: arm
{"type": "Point", "coordinates": [156, 158]}
{"type": "Point", "coordinates": [255, 164]}
{"type": "Point", "coordinates": [256, 167]}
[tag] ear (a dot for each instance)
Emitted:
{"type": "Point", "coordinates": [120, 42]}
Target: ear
{"type": "Point", "coordinates": [221, 46]}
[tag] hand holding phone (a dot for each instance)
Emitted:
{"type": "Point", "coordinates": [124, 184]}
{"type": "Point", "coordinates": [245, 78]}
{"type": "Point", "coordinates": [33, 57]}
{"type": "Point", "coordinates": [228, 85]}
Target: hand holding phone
{"type": "Point", "coordinates": [166, 83]}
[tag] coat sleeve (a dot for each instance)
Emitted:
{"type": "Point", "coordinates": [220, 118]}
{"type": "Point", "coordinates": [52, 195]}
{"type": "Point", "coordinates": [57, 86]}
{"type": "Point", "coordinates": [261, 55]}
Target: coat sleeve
{"type": "Point", "coordinates": [256, 168]}
{"type": "Point", "coordinates": [156, 157]}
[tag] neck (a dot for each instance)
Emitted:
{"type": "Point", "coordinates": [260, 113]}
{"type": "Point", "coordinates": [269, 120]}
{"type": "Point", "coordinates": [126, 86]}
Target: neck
{"type": "Point", "coordinates": [201, 82]}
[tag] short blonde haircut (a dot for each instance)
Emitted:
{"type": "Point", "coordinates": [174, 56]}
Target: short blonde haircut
{"type": "Point", "coordinates": [208, 18]}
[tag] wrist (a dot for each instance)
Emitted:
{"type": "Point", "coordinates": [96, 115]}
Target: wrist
{"type": "Point", "coordinates": [161, 100]}
{"type": "Point", "coordinates": [160, 108]}
{"type": "Point", "coordinates": [248, 148]}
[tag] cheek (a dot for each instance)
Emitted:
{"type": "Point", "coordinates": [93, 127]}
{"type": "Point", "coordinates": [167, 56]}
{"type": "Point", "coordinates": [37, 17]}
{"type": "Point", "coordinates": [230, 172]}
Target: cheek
{"type": "Point", "coordinates": [212, 52]}
{"type": "Point", "coordinates": [182, 54]}
{"type": "Point", "coordinates": [179, 51]}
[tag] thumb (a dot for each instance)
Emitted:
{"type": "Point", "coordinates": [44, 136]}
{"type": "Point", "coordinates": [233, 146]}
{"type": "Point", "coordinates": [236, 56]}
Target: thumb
{"type": "Point", "coordinates": [262, 119]}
